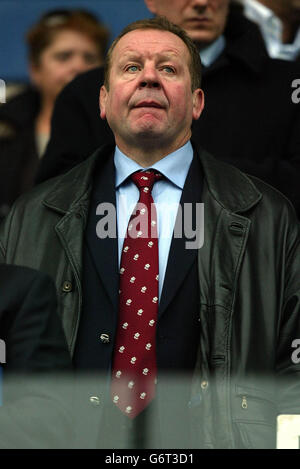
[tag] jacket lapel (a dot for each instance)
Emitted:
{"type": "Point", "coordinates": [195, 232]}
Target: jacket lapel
{"type": "Point", "coordinates": [228, 195]}
{"type": "Point", "coordinates": [70, 197]}
{"type": "Point", "coordinates": [104, 251]}
{"type": "Point", "coordinates": [181, 259]}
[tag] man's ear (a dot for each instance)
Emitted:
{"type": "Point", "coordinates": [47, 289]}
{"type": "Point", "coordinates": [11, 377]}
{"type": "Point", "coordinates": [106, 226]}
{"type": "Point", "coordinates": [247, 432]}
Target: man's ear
{"type": "Point", "coordinates": [151, 5]}
{"type": "Point", "coordinates": [198, 103]}
{"type": "Point", "coordinates": [102, 102]}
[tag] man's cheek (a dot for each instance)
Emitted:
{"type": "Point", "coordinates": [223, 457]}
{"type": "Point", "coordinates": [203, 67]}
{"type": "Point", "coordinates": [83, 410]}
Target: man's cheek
{"type": "Point", "coordinates": [181, 101]}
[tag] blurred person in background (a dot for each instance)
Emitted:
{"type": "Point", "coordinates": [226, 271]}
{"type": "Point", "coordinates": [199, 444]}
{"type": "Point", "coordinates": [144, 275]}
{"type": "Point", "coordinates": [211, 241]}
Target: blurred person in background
{"type": "Point", "coordinates": [62, 44]}
{"type": "Point", "coordinates": [34, 412]}
{"type": "Point", "coordinates": [250, 120]}
{"type": "Point", "coordinates": [279, 22]}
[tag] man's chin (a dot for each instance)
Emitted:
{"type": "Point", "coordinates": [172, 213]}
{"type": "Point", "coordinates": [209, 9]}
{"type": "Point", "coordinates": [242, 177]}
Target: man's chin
{"type": "Point", "coordinates": [148, 126]}
{"type": "Point", "coordinates": [149, 135]}
{"type": "Point", "coordinates": [148, 138]}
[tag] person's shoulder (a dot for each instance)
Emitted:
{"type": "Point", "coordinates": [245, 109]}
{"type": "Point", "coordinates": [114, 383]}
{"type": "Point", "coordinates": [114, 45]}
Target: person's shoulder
{"type": "Point", "coordinates": [267, 189]}
{"type": "Point", "coordinates": [243, 190]}
{"type": "Point", "coordinates": [19, 110]}
{"type": "Point", "coordinates": [273, 207]}
{"type": "Point", "coordinates": [67, 187]}
{"type": "Point", "coordinates": [87, 80]}
{"type": "Point", "coordinates": [83, 90]}
{"type": "Point", "coordinates": [285, 68]}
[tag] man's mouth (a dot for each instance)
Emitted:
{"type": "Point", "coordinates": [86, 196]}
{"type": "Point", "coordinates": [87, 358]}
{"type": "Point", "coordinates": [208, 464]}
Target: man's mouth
{"type": "Point", "coordinates": [150, 104]}
{"type": "Point", "coordinates": [198, 20]}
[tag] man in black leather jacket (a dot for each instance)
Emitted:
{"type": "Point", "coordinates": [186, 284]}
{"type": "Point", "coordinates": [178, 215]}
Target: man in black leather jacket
{"type": "Point", "coordinates": [229, 310]}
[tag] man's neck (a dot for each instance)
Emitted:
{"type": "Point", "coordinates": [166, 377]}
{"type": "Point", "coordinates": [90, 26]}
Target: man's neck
{"type": "Point", "coordinates": [149, 153]}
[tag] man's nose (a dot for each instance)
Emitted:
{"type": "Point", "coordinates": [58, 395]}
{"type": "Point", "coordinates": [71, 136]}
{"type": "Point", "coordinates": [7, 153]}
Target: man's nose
{"type": "Point", "coordinates": [150, 77]}
{"type": "Point", "coordinates": [199, 5]}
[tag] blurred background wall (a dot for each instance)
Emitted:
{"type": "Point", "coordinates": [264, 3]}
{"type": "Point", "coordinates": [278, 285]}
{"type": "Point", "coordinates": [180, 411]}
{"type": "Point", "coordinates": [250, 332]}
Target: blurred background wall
{"type": "Point", "coordinates": [16, 16]}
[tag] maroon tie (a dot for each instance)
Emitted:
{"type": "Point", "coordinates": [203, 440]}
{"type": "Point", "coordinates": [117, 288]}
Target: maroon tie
{"type": "Point", "coordinates": [134, 367]}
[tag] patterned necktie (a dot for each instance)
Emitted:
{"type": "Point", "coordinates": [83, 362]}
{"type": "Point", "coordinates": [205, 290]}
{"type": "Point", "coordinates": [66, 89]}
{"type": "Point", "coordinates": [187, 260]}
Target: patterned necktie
{"type": "Point", "coordinates": [134, 367]}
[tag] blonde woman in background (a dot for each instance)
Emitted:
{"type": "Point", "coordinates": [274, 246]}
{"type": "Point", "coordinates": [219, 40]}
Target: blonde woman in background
{"type": "Point", "coordinates": [62, 44]}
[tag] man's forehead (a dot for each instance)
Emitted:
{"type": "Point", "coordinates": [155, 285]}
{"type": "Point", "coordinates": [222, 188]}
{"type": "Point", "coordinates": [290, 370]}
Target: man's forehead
{"type": "Point", "coordinates": [150, 40]}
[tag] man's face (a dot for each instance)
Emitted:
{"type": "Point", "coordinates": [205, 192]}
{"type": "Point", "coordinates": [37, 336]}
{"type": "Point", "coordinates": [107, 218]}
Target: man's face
{"type": "Point", "coordinates": [150, 102]}
{"type": "Point", "coordinates": [203, 20]}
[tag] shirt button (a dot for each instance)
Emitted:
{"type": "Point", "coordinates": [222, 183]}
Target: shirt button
{"type": "Point", "coordinates": [95, 401]}
{"type": "Point", "coordinates": [204, 384]}
{"type": "Point", "coordinates": [104, 338]}
{"type": "Point", "coordinates": [67, 286]}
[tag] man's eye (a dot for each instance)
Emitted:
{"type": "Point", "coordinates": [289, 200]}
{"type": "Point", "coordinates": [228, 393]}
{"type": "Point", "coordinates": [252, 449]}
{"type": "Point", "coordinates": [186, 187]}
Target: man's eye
{"type": "Point", "coordinates": [168, 69]}
{"type": "Point", "coordinates": [132, 68]}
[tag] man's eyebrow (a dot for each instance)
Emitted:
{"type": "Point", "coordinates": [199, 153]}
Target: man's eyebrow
{"type": "Point", "coordinates": [168, 55]}
{"type": "Point", "coordinates": [130, 55]}
{"type": "Point", "coordinates": [164, 55]}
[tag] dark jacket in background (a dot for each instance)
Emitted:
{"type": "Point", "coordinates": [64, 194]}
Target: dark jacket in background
{"type": "Point", "coordinates": [29, 322]}
{"type": "Point", "coordinates": [36, 411]}
{"type": "Point", "coordinates": [18, 153]}
{"type": "Point", "coordinates": [249, 118]}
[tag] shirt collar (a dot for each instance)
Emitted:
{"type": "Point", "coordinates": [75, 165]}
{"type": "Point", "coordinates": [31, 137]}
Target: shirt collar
{"type": "Point", "coordinates": [271, 28]}
{"type": "Point", "coordinates": [257, 12]}
{"type": "Point", "coordinates": [212, 52]}
{"type": "Point", "coordinates": [174, 166]}
{"type": "Point", "coordinates": [264, 17]}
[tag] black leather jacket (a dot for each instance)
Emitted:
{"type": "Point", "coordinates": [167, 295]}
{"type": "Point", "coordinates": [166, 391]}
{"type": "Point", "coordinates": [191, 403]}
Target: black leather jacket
{"type": "Point", "coordinates": [249, 293]}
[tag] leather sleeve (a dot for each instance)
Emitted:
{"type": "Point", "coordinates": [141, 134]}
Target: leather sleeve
{"type": "Point", "coordinates": [288, 360]}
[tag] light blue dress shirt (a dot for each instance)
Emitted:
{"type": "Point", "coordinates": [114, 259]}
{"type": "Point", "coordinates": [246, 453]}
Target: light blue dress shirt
{"type": "Point", "coordinates": [271, 29]}
{"type": "Point", "coordinates": [166, 194]}
{"type": "Point", "coordinates": [212, 52]}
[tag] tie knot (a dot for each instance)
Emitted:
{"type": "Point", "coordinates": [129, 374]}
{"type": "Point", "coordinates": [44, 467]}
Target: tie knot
{"type": "Point", "coordinates": [147, 178]}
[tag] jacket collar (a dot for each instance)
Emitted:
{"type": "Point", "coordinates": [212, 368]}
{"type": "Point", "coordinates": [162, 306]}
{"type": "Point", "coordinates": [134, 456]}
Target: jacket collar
{"type": "Point", "coordinates": [232, 189]}
{"type": "Point", "coordinates": [73, 188]}
{"type": "Point", "coordinates": [244, 44]}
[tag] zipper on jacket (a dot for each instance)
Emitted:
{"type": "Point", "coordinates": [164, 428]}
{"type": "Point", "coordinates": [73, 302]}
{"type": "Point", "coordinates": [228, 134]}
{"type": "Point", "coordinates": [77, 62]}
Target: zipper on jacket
{"type": "Point", "coordinates": [258, 399]}
{"type": "Point", "coordinates": [244, 403]}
